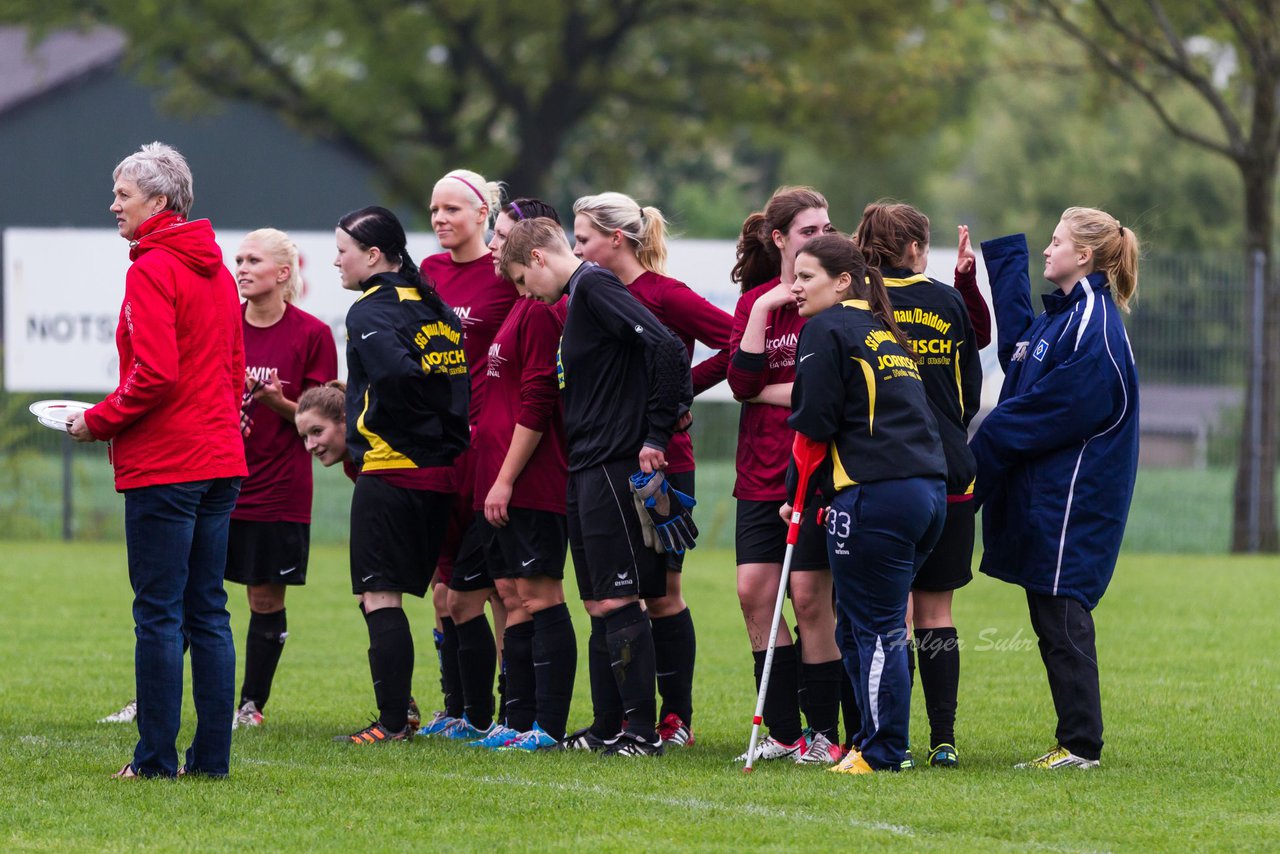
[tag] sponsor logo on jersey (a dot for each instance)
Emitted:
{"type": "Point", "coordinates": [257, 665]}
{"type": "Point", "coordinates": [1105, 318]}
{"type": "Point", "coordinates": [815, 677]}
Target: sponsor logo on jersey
{"type": "Point", "coordinates": [782, 350]}
{"type": "Point", "coordinates": [932, 346]}
{"type": "Point", "coordinates": [496, 361]}
{"type": "Point", "coordinates": [1020, 351]}
{"type": "Point", "coordinates": [464, 315]}
{"type": "Point", "coordinates": [921, 317]}
{"type": "Point", "coordinates": [877, 337]}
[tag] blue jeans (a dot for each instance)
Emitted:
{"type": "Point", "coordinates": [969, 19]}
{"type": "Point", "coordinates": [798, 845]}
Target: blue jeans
{"type": "Point", "coordinates": [878, 535]}
{"type": "Point", "coordinates": [177, 540]}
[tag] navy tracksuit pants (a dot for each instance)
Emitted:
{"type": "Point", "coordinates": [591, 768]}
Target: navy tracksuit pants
{"type": "Point", "coordinates": [878, 535]}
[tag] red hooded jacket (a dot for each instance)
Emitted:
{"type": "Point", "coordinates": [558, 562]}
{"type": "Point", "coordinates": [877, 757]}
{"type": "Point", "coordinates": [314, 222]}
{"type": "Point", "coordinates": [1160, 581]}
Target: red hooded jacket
{"type": "Point", "coordinates": [175, 416]}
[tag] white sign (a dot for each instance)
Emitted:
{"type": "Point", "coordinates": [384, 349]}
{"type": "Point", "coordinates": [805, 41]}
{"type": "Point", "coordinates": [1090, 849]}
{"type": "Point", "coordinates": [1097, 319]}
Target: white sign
{"type": "Point", "coordinates": [63, 288]}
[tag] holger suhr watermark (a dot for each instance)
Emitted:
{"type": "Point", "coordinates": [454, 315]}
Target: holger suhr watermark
{"type": "Point", "coordinates": [989, 639]}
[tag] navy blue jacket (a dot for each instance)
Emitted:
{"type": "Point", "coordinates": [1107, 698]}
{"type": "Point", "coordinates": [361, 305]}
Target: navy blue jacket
{"type": "Point", "coordinates": [1058, 456]}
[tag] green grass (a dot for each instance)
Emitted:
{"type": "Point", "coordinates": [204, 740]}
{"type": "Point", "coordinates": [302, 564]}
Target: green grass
{"type": "Point", "coordinates": [1174, 510]}
{"type": "Point", "coordinates": [1190, 680]}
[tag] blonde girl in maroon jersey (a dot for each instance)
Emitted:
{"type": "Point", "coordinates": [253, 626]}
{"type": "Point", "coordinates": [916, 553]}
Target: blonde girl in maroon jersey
{"type": "Point", "coordinates": [614, 231]}
{"type": "Point", "coordinates": [463, 204]}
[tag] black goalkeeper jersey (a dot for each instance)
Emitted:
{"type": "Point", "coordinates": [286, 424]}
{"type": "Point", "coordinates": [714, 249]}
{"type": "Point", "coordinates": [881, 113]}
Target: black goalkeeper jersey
{"type": "Point", "coordinates": [625, 378]}
{"type": "Point", "coordinates": [935, 319]}
{"type": "Point", "coordinates": [859, 392]}
{"type": "Point", "coordinates": [407, 383]}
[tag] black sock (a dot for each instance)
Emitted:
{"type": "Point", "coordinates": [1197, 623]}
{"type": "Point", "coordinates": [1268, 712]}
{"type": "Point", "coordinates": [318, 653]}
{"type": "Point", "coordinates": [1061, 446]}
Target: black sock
{"type": "Point", "coordinates": [821, 703]}
{"type": "Point", "coordinates": [781, 706]}
{"type": "Point", "coordinates": [477, 659]}
{"type": "Point", "coordinates": [450, 681]}
{"type": "Point", "coordinates": [939, 653]}
{"type": "Point", "coordinates": [675, 647]}
{"type": "Point", "coordinates": [263, 645]}
{"type": "Point", "coordinates": [911, 663]}
{"type": "Point", "coordinates": [606, 702]}
{"type": "Point", "coordinates": [555, 664]}
{"type": "Point", "coordinates": [391, 660]}
{"type": "Point", "coordinates": [631, 658]}
{"type": "Point", "coordinates": [517, 662]}
{"type": "Point", "coordinates": [501, 713]}
{"type": "Point", "coordinates": [849, 708]}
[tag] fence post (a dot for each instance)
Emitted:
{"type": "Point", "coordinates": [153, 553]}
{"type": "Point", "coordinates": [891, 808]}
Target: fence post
{"type": "Point", "coordinates": [1255, 421]}
{"type": "Point", "coordinates": [68, 458]}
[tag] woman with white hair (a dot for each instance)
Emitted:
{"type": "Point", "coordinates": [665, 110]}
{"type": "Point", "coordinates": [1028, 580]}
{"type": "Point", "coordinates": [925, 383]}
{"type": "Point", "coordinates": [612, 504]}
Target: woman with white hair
{"type": "Point", "coordinates": [287, 351]}
{"type": "Point", "coordinates": [174, 427]}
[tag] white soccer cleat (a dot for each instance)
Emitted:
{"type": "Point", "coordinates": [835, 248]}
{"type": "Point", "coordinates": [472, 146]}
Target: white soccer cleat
{"type": "Point", "coordinates": [247, 715]}
{"type": "Point", "coordinates": [771, 748]}
{"type": "Point", "coordinates": [820, 752]}
{"type": "Point", "coordinates": [1057, 758]}
{"type": "Point", "coordinates": [127, 715]}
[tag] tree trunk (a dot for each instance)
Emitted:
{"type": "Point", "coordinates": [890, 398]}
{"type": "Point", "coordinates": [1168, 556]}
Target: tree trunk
{"type": "Point", "coordinates": [1254, 512]}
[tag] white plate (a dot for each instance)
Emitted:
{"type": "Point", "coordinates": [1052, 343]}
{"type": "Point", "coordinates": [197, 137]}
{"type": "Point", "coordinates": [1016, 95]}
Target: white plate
{"type": "Point", "coordinates": [57, 414]}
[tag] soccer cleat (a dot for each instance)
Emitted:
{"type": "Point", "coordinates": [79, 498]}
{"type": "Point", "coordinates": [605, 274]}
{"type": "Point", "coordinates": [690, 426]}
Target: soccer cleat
{"type": "Point", "coordinates": [673, 730]}
{"type": "Point", "coordinates": [820, 751]}
{"type": "Point", "coordinates": [375, 733]}
{"type": "Point", "coordinates": [414, 714]}
{"type": "Point", "coordinates": [944, 756]}
{"type": "Point", "coordinates": [533, 740]}
{"type": "Point", "coordinates": [584, 739]}
{"type": "Point", "coordinates": [630, 744]}
{"type": "Point", "coordinates": [127, 715]}
{"type": "Point", "coordinates": [462, 730]}
{"type": "Point", "coordinates": [771, 748]}
{"type": "Point", "coordinates": [908, 762]}
{"type": "Point", "coordinates": [853, 763]}
{"type": "Point", "coordinates": [247, 715]}
{"type": "Point", "coordinates": [1057, 758]}
{"type": "Point", "coordinates": [497, 736]}
{"type": "Point", "coordinates": [437, 724]}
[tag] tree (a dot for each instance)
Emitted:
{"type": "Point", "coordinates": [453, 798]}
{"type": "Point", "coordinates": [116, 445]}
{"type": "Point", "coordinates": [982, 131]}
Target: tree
{"type": "Point", "coordinates": [517, 90]}
{"type": "Point", "coordinates": [1227, 54]}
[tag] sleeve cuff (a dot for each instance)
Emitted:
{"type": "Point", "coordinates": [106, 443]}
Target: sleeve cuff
{"type": "Point", "coordinates": [745, 361]}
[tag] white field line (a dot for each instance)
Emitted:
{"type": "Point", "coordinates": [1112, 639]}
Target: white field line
{"type": "Point", "coordinates": [688, 803]}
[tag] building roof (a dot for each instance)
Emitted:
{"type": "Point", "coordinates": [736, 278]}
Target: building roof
{"type": "Point", "coordinates": [29, 71]}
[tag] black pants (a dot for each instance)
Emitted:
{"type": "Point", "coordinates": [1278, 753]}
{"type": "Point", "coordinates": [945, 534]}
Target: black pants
{"type": "Point", "coordinates": [1065, 629]}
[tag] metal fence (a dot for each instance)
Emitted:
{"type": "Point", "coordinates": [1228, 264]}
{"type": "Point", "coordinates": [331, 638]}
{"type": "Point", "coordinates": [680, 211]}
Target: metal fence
{"type": "Point", "coordinates": [1189, 330]}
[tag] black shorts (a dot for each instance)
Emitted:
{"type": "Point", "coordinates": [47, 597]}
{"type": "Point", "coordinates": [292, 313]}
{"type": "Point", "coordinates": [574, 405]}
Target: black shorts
{"type": "Point", "coordinates": [610, 559]}
{"type": "Point", "coordinates": [470, 569]}
{"type": "Point", "coordinates": [950, 564]}
{"type": "Point", "coordinates": [395, 536]}
{"type": "Point", "coordinates": [268, 552]}
{"type": "Point", "coordinates": [683, 481]}
{"type": "Point", "coordinates": [462, 555]}
{"type": "Point", "coordinates": [761, 536]}
{"type": "Point", "coordinates": [532, 544]}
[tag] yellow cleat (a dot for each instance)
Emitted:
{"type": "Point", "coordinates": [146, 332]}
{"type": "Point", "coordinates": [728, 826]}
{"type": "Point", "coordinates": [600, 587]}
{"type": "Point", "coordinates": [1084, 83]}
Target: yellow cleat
{"type": "Point", "coordinates": [853, 763]}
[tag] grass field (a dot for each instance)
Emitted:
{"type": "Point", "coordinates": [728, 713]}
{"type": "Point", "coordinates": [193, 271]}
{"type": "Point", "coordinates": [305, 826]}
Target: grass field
{"type": "Point", "coordinates": [1190, 682]}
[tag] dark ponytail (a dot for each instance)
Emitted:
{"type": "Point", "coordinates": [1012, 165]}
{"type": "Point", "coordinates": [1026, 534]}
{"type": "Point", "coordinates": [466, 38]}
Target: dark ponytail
{"type": "Point", "coordinates": [836, 254]}
{"type": "Point", "coordinates": [887, 231]}
{"type": "Point", "coordinates": [375, 226]}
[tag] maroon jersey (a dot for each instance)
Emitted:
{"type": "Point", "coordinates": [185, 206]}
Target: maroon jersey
{"type": "Point", "coordinates": [691, 318]}
{"type": "Point", "coordinates": [764, 439]}
{"type": "Point", "coordinates": [481, 299]}
{"type": "Point", "coordinates": [522, 388]}
{"type": "Point", "coordinates": [301, 350]}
